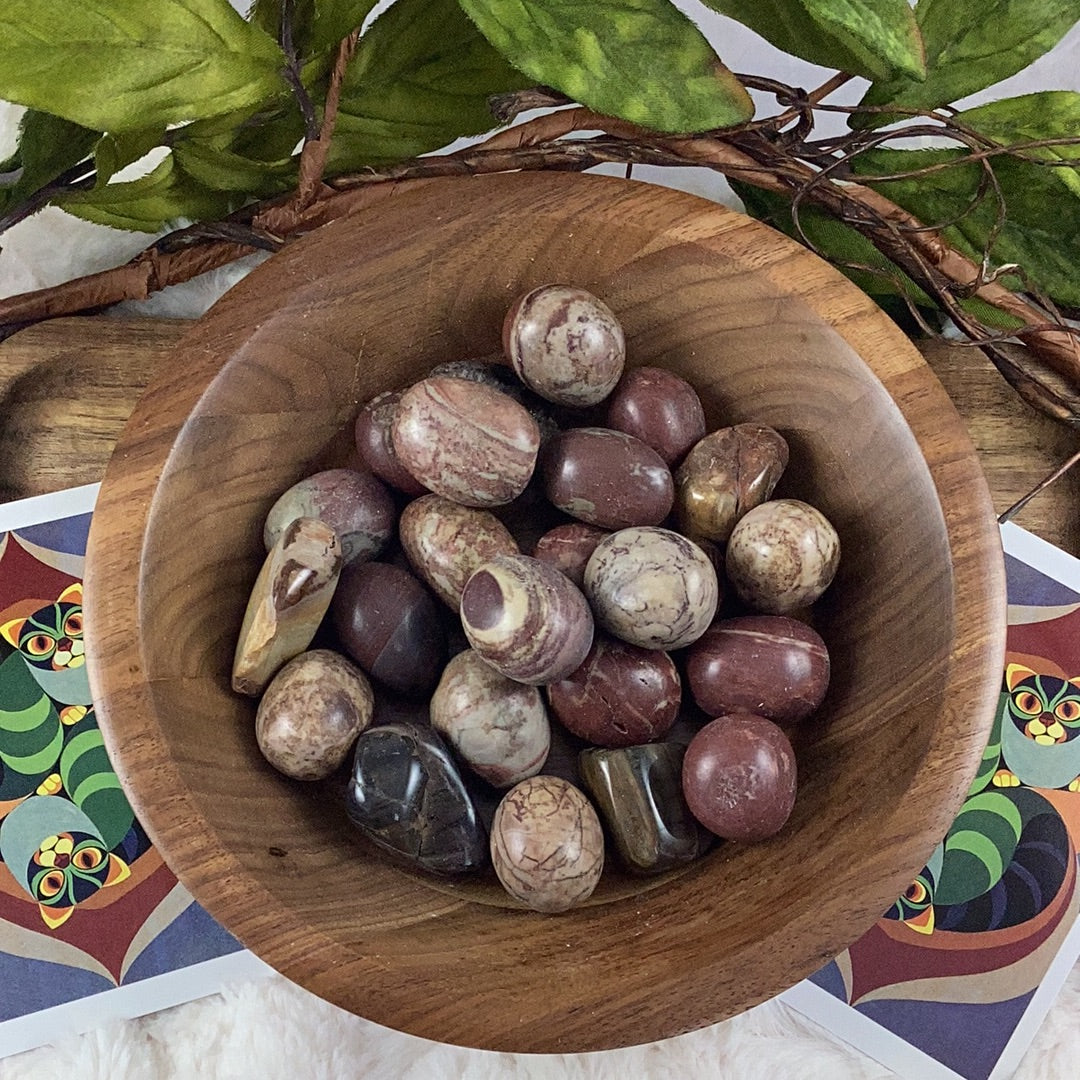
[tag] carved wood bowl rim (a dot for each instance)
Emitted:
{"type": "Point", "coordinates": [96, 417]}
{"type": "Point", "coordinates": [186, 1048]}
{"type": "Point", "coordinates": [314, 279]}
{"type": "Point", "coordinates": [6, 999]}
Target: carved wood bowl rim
{"type": "Point", "coordinates": [248, 402]}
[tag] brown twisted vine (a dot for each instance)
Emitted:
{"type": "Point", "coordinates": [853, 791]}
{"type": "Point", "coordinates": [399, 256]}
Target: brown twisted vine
{"type": "Point", "coordinates": [774, 153]}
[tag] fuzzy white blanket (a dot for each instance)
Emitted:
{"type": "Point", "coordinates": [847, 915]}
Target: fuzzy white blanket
{"type": "Point", "coordinates": [270, 1028]}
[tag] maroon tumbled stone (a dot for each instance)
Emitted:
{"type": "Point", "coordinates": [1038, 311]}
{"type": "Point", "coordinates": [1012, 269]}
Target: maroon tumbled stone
{"type": "Point", "coordinates": [621, 695]}
{"type": "Point", "coordinates": [373, 443]}
{"type": "Point", "coordinates": [568, 547]}
{"type": "Point", "coordinates": [660, 408]}
{"type": "Point", "coordinates": [389, 624]}
{"type": "Point", "coordinates": [739, 777]}
{"type": "Point", "coordinates": [606, 478]}
{"type": "Point", "coordinates": [771, 665]}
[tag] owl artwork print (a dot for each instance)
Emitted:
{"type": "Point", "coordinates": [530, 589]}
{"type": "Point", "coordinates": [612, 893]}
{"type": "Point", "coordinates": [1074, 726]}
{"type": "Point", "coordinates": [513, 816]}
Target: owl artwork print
{"type": "Point", "coordinates": [66, 829]}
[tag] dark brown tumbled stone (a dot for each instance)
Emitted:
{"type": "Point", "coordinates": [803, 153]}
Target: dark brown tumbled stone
{"type": "Point", "coordinates": [389, 624]}
{"type": "Point", "coordinates": [568, 547]}
{"type": "Point", "coordinates": [621, 695]}
{"type": "Point", "coordinates": [660, 408]}
{"type": "Point", "coordinates": [606, 478]}
{"type": "Point", "coordinates": [739, 777]}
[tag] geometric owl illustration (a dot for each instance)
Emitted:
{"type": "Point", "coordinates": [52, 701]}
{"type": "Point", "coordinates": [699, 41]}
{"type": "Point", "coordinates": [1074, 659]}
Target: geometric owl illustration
{"type": "Point", "coordinates": [1037, 730]}
{"type": "Point", "coordinates": [60, 849]}
{"type": "Point", "coordinates": [43, 687]}
{"type": "Point", "coordinates": [50, 641]}
{"type": "Point", "coordinates": [57, 854]}
{"type": "Point", "coordinates": [65, 816]}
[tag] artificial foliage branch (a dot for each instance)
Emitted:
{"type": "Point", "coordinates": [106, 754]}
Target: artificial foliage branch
{"type": "Point", "coordinates": [306, 110]}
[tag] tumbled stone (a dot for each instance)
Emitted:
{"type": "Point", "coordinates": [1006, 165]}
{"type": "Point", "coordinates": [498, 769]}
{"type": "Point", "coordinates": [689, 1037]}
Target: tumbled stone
{"type": "Point", "coordinates": [606, 478]}
{"type": "Point", "coordinates": [375, 445]}
{"type": "Point", "coordinates": [782, 555]}
{"type": "Point", "coordinates": [568, 548]}
{"type": "Point", "coordinates": [739, 777]}
{"type": "Point", "coordinates": [726, 474]}
{"type": "Point", "coordinates": [638, 792]}
{"type": "Point", "coordinates": [660, 408]}
{"type": "Point", "coordinates": [770, 665]}
{"type": "Point", "coordinates": [547, 844]}
{"type": "Point", "coordinates": [356, 505]}
{"type": "Point", "coordinates": [652, 587]}
{"type": "Point", "coordinates": [445, 542]}
{"type": "Point", "coordinates": [407, 796]}
{"type": "Point", "coordinates": [465, 441]}
{"type": "Point", "coordinates": [311, 713]}
{"type": "Point", "coordinates": [565, 344]}
{"type": "Point", "coordinates": [287, 603]}
{"type": "Point", "coordinates": [498, 727]}
{"type": "Point", "coordinates": [619, 696]}
{"type": "Point", "coordinates": [526, 619]}
{"type": "Point", "coordinates": [389, 624]}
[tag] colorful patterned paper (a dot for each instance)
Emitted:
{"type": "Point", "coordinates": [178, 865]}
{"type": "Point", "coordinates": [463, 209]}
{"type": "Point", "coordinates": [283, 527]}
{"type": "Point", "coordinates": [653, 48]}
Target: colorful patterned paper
{"type": "Point", "coordinates": [955, 979]}
{"type": "Point", "coordinates": [87, 904]}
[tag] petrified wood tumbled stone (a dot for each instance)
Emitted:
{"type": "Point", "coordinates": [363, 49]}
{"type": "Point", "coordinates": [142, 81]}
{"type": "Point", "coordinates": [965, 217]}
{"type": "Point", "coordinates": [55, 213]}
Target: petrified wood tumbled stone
{"type": "Point", "coordinates": [287, 602]}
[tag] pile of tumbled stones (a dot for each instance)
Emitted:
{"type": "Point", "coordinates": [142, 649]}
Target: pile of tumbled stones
{"type": "Point", "coordinates": [522, 709]}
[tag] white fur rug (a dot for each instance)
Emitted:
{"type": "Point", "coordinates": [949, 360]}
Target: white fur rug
{"type": "Point", "coordinates": [270, 1028]}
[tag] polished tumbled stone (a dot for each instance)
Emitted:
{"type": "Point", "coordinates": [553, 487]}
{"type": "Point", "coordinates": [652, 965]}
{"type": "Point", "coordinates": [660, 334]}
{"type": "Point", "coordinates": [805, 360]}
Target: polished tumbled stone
{"type": "Point", "coordinates": [638, 791]}
{"type": "Point", "coordinates": [407, 796]}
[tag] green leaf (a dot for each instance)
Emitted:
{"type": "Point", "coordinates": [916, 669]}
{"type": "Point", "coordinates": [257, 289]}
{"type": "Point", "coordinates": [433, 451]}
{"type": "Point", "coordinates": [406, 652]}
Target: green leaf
{"type": "Point", "coordinates": [48, 147]}
{"type": "Point", "coordinates": [114, 152]}
{"type": "Point", "coordinates": [318, 25]}
{"type": "Point", "coordinates": [969, 48]}
{"type": "Point", "coordinates": [641, 60]}
{"type": "Point", "coordinates": [1041, 230]}
{"type": "Point", "coordinates": [1047, 114]}
{"type": "Point", "coordinates": [877, 39]}
{"type": "Point", "coordinates": [223, 169]}
{"type": "Point", "coordinates": [113, 65]}
{"type": "Point", "coordinates": [162, 196]}
{"type": "Point", "coordinates": [421, 76]}
{"type": "Point", "coordinates": [335, 19]}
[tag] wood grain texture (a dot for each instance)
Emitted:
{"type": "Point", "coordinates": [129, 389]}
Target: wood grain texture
{"type": "Point", "coordinates": [249, 401]}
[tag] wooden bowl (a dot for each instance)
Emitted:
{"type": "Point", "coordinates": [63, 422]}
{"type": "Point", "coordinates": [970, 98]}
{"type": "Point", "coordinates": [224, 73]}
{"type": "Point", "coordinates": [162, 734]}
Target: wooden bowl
{"type": "Point", "coordinates": [260, 390]}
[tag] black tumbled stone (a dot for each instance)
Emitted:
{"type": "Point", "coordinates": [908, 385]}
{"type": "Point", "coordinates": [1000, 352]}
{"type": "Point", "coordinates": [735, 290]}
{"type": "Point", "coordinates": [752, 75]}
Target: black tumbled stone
{"type": "Point", "coordinates": [407, 796]}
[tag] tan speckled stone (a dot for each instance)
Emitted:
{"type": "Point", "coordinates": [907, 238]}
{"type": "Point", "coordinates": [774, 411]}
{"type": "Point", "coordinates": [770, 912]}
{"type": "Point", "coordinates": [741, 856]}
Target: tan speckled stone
{"type": "Point", "coordinates": [497, 726]}
{"type": "Point", "coordinates": [547, 845]}
{"type": "Point", "coordinates": [652, 587]}
{"type": "Point", "coordinates": [311, 713]}
{"type": "Point", "coordinates": [782, 556]}
{"type": "Point", "coordinates": [445, 542]}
